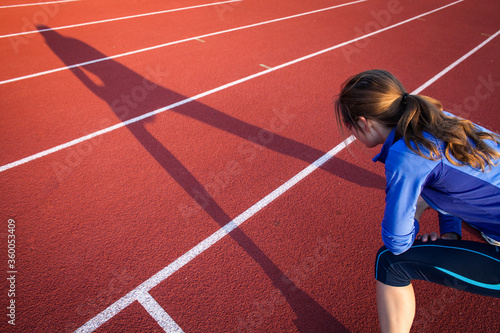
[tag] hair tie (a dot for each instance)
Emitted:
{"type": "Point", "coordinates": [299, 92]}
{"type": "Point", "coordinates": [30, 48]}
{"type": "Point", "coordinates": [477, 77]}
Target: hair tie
{"type": "Point", "coordinates": [403, 99]}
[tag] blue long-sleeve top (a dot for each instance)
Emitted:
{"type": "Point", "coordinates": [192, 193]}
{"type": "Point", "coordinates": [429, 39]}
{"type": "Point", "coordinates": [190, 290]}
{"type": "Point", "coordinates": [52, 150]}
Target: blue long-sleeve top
{"type": "Point", "coordinates": [456, 192]}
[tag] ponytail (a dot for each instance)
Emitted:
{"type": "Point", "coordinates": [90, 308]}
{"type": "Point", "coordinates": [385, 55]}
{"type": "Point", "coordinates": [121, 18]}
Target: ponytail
{"type": "Point", "coordinates": [378, 95]}
{"type": "Point", "coordinates": [463, 140]}
{"type": "Point", "coordinates": [418, 114]}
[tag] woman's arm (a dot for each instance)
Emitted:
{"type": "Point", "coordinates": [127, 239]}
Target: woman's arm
{"type": "Point", "coordinates": [406, 175]}
{"type": "Point", "coordinates": [421, 207]}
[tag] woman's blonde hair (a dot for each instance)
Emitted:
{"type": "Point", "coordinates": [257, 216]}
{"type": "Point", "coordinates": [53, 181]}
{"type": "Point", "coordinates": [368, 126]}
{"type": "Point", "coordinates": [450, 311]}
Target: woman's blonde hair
{"type": "Point", "coordinates": [378, 95]}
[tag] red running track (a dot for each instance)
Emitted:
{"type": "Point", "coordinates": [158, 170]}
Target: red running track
{"type": "Point", "coordinates": [102, 227]}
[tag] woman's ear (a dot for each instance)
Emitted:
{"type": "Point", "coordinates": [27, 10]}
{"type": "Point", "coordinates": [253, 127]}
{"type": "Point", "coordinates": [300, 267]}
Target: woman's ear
{"type": "Point", "coordinates": [363, 124]}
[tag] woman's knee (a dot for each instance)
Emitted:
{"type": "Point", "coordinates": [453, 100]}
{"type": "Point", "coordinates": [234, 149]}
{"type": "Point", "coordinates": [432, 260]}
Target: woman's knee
{"type": "Point", "coordinates": [388, 269]}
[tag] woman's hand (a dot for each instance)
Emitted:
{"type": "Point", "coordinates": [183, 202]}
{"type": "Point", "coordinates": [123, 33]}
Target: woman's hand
{"type": "Point", "coordinates": [434, 236]}
{"type": "Point", "coordinates": [425, 237]}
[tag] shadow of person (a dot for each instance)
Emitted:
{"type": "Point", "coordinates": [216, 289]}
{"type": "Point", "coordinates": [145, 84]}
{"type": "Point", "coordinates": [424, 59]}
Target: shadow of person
{"type": "Point", "coordinates": [130, 95]}
{"type": "Point", "coordinates": [117, 82]}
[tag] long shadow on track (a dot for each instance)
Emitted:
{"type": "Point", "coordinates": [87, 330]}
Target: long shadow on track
{"type": "Point", "coordinates": [118, 81]}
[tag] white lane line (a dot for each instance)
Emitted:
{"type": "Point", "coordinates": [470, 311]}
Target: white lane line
{"type": "Point", "coordinates": [36, 4]}
{"type": "Point", "coordinates": [173, 43]}
{"type": "Point", "coordinates": [119, 18]}
{"type": "Point", "coordinates": [449, 68]}
{"type": "Point", "coordinates": [153, 281]}
{"type": "Point", "coordinates": [209, 92]}
{"type": "Point", "coordinates": [158, 313]}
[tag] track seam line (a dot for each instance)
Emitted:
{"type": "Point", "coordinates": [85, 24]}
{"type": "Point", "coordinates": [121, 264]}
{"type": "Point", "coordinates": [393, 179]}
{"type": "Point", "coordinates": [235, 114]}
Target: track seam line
{"type": "Point", "coordinates": [158, 313]}
{"type": "Point", "coordinates": [36, 4]}
{"type": "Point", "coordinates": [201, 95]}
{"type": "Point", "coordinates": [118, 18]}
{"type": "Point", "coordinates": [55, 70]}
{"type": "Point", "coordinates": [159, 277]}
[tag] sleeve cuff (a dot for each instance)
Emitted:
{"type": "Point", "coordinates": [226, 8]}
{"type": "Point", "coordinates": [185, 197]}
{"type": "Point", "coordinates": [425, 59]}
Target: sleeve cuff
{"type": "Point", "coordinates": [398, 244]}
{"type": "Point", "coordinates": [450, 223]}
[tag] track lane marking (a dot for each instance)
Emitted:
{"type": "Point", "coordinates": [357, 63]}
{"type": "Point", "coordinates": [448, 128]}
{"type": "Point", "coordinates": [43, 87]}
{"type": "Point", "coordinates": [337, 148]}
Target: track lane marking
{"type": "Point", "coordinates": [174, 43]}
{"type": "Point", "coordinates": [153, 281]}
{"type": "Point", "coordinates": [453, 65]}
{"type": "Point", "coordinates": [158, 313]}
{"type": "Point", "coordinates": [36, 4]}
{"type": "Point", "coordinates": [147, 285]}
{"type": "Point", "coordinates": [117, 18]}
{"type": "Point", "coordinates": [206, 93]}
